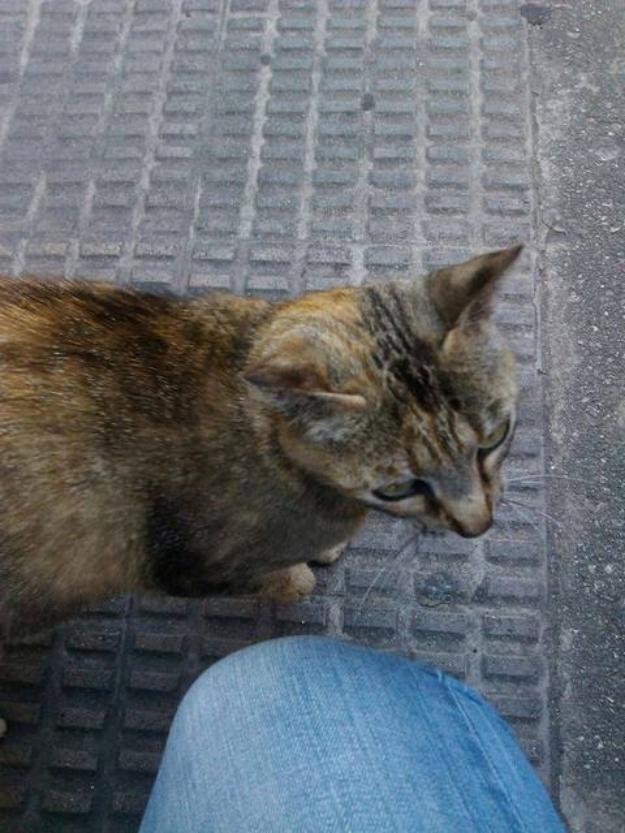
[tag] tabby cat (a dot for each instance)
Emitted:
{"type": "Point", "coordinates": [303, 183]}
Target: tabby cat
{"type": "Point", "coordinates": [219, 444]}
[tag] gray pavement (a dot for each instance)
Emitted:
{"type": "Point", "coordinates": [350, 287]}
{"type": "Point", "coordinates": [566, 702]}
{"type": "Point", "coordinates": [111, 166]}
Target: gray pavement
{"type": "Point", "coordinates": [578, 59]}
{"type": "Point", "coordinates": [272, 146]}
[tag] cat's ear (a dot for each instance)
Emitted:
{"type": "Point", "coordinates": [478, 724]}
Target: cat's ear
{"type": "Point", "coordinates": [465, 291]}
{"type": "Point", "coordinates": [294, 373]}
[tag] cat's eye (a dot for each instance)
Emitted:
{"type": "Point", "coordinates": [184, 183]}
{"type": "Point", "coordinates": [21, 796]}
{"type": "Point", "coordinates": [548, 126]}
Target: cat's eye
{"type": "Point", "coordinates": [495, 438]}
{"type": "Point", "coordinates": [403, 490]}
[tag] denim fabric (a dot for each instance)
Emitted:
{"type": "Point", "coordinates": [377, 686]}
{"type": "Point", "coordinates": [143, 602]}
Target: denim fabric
{"type": "Point", "coordinates": [312, 735]}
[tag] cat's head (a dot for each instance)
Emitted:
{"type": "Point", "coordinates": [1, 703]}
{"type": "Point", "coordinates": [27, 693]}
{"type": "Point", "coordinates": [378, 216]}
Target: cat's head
{"type": "Point", "coordinates": [399, 395]}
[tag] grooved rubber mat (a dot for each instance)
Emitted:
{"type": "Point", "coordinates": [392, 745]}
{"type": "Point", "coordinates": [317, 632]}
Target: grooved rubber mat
{"type": "Point", "coordinates": [267, 147]}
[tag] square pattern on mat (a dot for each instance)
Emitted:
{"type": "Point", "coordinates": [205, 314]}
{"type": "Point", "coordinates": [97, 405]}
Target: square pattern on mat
{"type": "Point", "coordinates": [267, 147]}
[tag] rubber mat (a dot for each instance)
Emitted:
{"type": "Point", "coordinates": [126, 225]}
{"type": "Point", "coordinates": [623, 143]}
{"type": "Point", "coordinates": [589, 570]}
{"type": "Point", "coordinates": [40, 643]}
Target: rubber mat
{"type": "Point", "coordinates": [268, 147]}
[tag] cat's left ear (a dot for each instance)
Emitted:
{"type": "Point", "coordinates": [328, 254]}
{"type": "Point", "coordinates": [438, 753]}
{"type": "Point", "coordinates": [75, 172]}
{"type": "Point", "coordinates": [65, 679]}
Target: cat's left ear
{"type": "Point", "coordinates": [464, 292]}
{"type": "Point", "coordinates": [292, 372]}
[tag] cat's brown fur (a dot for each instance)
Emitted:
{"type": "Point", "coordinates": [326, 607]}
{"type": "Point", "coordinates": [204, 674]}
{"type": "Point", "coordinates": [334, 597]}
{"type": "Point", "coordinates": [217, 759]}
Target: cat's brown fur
{"type": "Point", "coordinates": [192, 446]}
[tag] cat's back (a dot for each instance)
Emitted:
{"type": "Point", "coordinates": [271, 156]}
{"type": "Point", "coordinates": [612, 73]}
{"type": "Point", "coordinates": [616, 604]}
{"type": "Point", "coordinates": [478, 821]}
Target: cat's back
{"type": "Point", "coordinates": [73, 312]}
{"type": "Point", "coordinates": [77, 356]}
{"type": "Point", "coordinates": [118, 326]}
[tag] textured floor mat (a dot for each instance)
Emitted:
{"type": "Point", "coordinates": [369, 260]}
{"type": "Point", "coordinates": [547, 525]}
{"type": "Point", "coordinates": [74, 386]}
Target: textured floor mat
{"type": "Point", "coordinates": [267, 146]}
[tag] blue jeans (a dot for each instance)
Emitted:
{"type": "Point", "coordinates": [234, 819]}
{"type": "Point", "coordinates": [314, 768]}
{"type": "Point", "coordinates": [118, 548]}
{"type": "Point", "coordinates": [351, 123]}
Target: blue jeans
{"type": "Point", "coordinates": [312, 735]}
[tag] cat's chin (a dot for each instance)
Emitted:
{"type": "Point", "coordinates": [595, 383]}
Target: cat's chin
{"type": "Point", "coordinates": [429, 531]}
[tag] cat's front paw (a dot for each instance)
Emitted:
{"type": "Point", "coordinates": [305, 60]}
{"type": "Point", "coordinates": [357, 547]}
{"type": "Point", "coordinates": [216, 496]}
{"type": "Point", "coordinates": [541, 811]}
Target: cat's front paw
{"type": "Point", "coordinates": [289, 585]}
{"type": "Point", "coordinates": [328, 557]}
{"type": "Point", "coordinates": [3, 728]}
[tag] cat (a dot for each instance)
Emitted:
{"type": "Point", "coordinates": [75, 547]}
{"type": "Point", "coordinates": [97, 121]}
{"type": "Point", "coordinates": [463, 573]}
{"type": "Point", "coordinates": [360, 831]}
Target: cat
{"type": "Point", "coordinates": [220, 444]}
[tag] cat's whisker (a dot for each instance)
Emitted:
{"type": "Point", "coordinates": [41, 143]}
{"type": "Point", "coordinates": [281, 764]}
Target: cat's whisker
{"type": "Point", "coordinates": [562, 530]}
{"type": "Point", "coordinates": [533, 479]}
{"type": "Point", "coordinates": [524, 517]}
{"type": "Point", "coordinates": [536, 480]}
{"type": "Point", "coordinates": [544, 477]}
{"type": "Point", "coordinates": [534, 509]}
{"type": "Point", "coordinates": [546, 474]}
{"type": "Point", "coordinates": [390, 564]}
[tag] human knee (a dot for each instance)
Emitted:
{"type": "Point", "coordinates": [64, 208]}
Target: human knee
{"type": "Point", "coordinates": [252, 668]}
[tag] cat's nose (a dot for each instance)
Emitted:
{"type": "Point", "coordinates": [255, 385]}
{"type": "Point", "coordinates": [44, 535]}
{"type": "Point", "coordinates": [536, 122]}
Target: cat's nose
{"type": "Point", "coordinates": [474, 528]}
{"type": "Point", "coordinates": [470, 517]}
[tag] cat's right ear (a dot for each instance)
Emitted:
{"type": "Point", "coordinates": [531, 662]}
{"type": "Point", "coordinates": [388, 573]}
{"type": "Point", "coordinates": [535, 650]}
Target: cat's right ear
{"type": "Point", "coordinates": [466, 289]}
{"type": "Point", "coordinates": [299, 383]}
{"type": "Point", "coordinates": [293, 373]}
